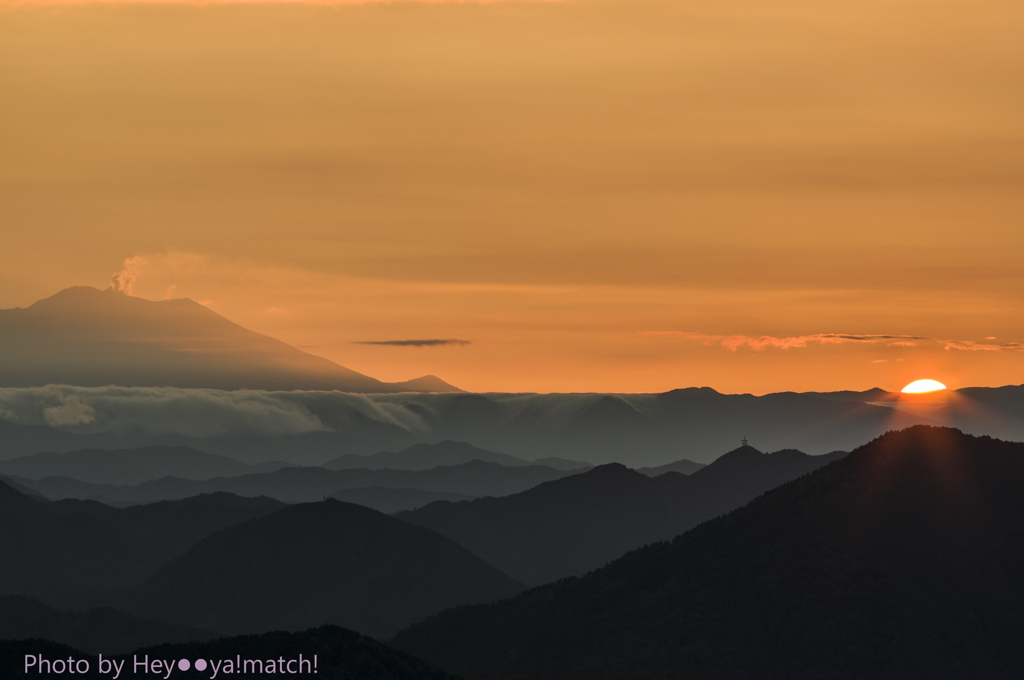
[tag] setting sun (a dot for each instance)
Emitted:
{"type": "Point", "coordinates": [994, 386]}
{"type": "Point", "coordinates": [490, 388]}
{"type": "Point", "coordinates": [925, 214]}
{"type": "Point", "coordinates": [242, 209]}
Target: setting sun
{"type": "Point", "coordinates": [922, 386]}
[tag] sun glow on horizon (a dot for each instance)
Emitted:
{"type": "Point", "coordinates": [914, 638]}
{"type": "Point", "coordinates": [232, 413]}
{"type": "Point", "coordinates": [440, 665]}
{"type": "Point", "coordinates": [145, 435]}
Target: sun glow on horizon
{"type": "Point", "coordinates": [923, 386]}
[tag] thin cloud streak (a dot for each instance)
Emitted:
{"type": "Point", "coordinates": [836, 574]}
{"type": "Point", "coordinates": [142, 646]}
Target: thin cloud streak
{"type": "Point", "coordinates": [735, 342]}
{"type": "Point", "coordinates": [440, 342]}
{"type": "Point", "coordinates": [970, 346]}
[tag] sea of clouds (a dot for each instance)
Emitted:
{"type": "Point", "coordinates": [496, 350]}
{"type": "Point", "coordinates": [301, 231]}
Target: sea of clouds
{"type": "Point", "coordinates": [207, 413]}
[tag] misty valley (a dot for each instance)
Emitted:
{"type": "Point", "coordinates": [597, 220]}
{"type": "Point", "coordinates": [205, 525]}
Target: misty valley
{"type": "Point", "coordinates": [752, 565]}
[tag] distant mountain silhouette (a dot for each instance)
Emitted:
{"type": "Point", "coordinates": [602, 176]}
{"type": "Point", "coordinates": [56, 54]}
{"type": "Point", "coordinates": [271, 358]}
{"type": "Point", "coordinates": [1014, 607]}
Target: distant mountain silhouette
{"type": "Point", "coordinates": [427, 456]}
{"type": "Point", "coordinates": [88, 337]}
{"type": "Point", "coordinates": [307, 484]}
{"type": "Point", "coordinates": [104, 630]}
{"type": "Point", "coordinates": [903, 560]}
{"type": "Point", "coordinates": [81, 552]}
{"type": "Point", "coordinates": [572, 525]}
{"type": "Point", "coordinates": [327, 562]}
{"type": "Point", "coordinates": [340, 655]}
{"type": "Point", "coordinates": [684, 466]}
{"type": "Point", "coordinates": [131, 466]}
{"type": "Point", "coordinates": [390, 501]}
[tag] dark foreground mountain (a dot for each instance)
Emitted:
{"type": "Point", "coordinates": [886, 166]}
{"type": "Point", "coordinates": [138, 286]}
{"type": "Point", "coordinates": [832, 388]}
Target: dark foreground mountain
{"type": "Point", "coordinates": [100, 630]}
{"type": "Point", "coordinates": [446, 453]}
{"type": "Point", "coordinates": [131, 466]}
{"type": "Point", "coordinates": [327, 562]}
{"type": "Point", "coordinates": [570, 526]}
{"type": "Point", "coordinates": [308, 484]}
{"type": "Point", "coordinates": [903, 560]}
{"type": "Point", "coordinates": [339, 655]}
{"type": "Point", "coordinates": [88, 337]}
{"type": "Point", "coordinates": [83, 552]}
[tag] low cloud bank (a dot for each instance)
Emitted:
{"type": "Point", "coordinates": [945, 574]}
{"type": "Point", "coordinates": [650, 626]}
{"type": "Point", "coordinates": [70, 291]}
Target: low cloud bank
{"type": "Point", "coordinates": [157, 410]}
{"type": "Point", "coordinates": [310, 428]}
{"type": "Point", "coordinates": [207, 413]}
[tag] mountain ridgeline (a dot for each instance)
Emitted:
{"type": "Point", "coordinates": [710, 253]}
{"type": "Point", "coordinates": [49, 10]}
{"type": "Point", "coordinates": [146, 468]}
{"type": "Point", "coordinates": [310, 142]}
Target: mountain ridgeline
{"type": "Point", "coordinates": [307, 484]}
{"type": "Point", "coordinates": [905, 559]}
{"type": "Point", "coordinates": [685, 466]}
{"type": "Point", "coordinates": [131, 466]}
{"type": "Point", "coordinates": [442, 454]}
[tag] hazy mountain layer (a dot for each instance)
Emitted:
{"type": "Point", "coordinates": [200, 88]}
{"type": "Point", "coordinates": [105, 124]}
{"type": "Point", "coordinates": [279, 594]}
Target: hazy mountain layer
{"type": "Point", "coordinates": [903, 560]}
{"type": "Point", "coordinates": [327, 562]}
{"type": "Point", "coordinates": [307, 484]}
{"type": "Point", "coordinates": [131, 466]}
{"type": "Point", "coordinates": [340, 655]}
{"type": "Point", "coordinates": [570, 526]}
{"type": "Point", "coordinates": [427, 456]}
{"type": "Point", "coordinates": [390, 501]}
{"type": "Point", "coordinates": [84, 336]}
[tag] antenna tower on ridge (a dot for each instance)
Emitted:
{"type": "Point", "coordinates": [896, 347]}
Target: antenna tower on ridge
{"type": "Point", "coordinates": [745, 440]}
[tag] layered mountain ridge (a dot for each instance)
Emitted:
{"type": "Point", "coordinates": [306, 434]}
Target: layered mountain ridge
{"type": "Point", "coordinates": [905, 559]}
{"type": "Point", "coordinates": [569, 526]}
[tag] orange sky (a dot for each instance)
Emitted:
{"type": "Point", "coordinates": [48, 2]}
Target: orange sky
{"type": "Point", "coordinates": [604, 196]}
